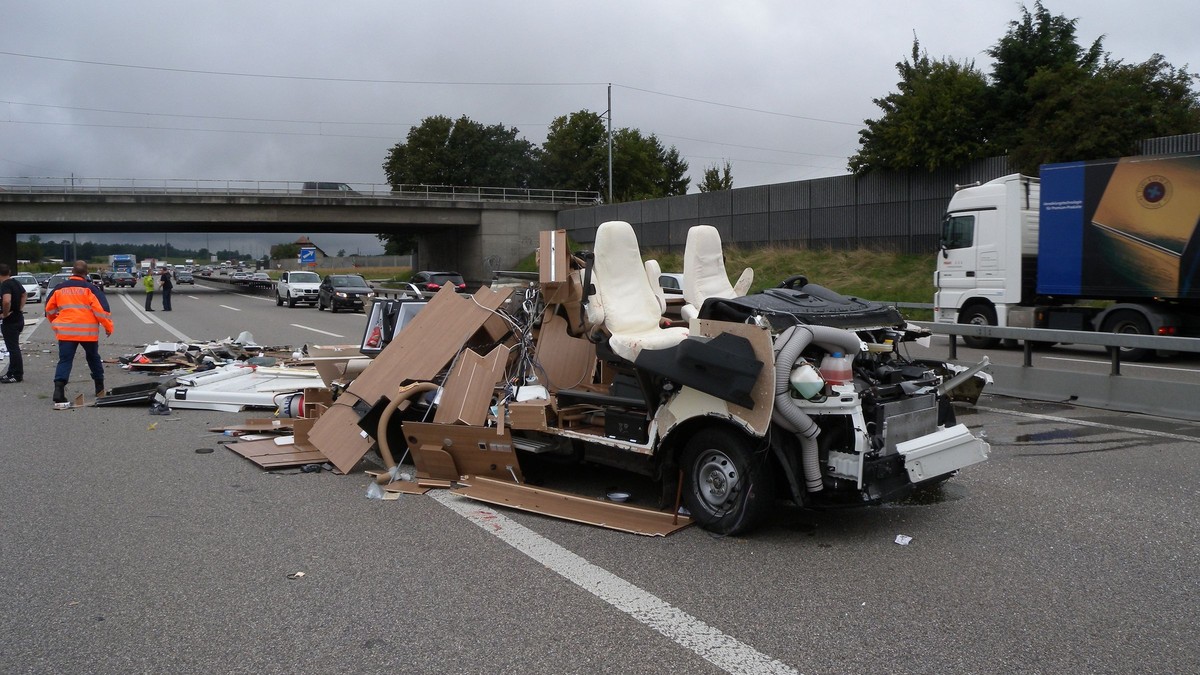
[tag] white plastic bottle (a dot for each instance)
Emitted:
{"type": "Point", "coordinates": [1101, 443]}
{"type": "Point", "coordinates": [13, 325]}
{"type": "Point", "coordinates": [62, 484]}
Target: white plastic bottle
{"type": "Point", "coordinates": [835, 368]}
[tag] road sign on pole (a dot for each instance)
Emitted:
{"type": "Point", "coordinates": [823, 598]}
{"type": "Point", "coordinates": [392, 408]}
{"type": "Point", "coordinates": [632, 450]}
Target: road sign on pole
{"type": "Point", "coordinates": [308, 256]}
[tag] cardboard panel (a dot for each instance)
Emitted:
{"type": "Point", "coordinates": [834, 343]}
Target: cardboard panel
{"type": "Point", "coordinates": [336, 434]}
{"type": "Point", "coordinates": [471, 450]}
{"type": "Point", "coordinates": [568, 362]}
{"type": "Point", "coordinates": [613, 516]}
{"type": "Point", "coordinates": [467, 394]}
{"type": "Point", "coordinates": [270, 455]}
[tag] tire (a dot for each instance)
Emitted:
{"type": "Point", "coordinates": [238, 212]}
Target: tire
{"type": "Point", "coordinates": [320, 307]}
{"type": "Point", "coordinates": [332, 307]}
{"type": "Point", "coordinates": [725, 481]}
{"type": "Point", "coordinates": [278, 300]}
{"type": "Point", "coordinates": [291, 302]}
{"type": "Point", "coordinates": [1129, 323]}
{"type": "Point", "coordinates": [979, 315]}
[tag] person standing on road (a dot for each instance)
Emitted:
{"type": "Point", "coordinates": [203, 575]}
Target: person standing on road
{"type": "Point", "coordinates": [12, 302]}
{"type": "Point", "coordinates": [148, 284]}
{"type": "Point", "coordinates": [76, 314]}
{"type": "Point", "coordinates": [166, 286]}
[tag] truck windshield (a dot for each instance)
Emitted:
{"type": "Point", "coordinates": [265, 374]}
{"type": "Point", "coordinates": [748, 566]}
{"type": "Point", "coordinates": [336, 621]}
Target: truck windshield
{"type": "Point", "coordinates": [958, 232]}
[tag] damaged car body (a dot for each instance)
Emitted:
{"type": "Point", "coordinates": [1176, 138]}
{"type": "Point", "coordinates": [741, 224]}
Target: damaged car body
{"type": "Point", "coordinates": [730, 413]}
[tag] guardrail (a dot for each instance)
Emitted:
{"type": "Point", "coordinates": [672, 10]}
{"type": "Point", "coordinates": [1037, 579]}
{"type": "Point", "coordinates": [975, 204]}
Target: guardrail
{"type": "Point", "coordinates": [148, 186]}
{"type": "Point", "coordinates": [1113, 391]}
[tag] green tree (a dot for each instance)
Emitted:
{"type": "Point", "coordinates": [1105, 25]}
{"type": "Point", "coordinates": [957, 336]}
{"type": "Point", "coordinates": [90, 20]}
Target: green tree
{"type": "Point", "coordinates": [1087, 115]}
{"type": "Point", "coordinates": [281, 251]}
{"type": "Point", "coordinates": [1037, 42]}
{"type": "Point", "coordinates": [30, 250]}
{"type": "Point", "coordinates": [933, 120]}
{"type": "Point", "coordinates": [643, 169]}
{"type": "Point", "coordinates": [462, 153]}
{"type": "Point", "coordinates": [575, 153]}
{"type": "Point", "coordinates": [717, 178]}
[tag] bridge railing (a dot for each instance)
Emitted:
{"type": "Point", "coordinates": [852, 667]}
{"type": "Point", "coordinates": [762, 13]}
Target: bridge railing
{"type": "Point", "coordinates": [148, 186]}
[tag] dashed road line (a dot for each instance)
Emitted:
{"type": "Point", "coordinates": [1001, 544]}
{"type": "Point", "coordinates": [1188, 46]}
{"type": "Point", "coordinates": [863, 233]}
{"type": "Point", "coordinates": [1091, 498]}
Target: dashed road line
{"type": "Point", "coordinates": [721, 650]}
{"type": "Point", "coordinates": [315, 330]}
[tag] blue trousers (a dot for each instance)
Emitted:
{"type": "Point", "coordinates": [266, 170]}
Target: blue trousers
{"type": "Point", "coordinates": [66, 357]}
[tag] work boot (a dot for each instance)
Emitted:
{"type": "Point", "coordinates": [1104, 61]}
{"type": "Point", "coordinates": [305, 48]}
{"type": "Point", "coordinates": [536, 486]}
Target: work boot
{"type": "Point", "coordinates": [60, 391]}
{"type": "Point", "coordinates": [99, 388]}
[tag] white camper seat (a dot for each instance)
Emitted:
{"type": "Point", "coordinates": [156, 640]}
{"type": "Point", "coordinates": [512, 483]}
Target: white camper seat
{"type": "Point", "coordinates": [631, 309]}
{"type": "Point", "coordinates": [704, 273]}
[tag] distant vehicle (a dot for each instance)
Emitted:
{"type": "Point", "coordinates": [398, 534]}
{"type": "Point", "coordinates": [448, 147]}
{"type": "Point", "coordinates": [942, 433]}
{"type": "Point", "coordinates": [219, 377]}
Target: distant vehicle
{"type": "Point", "coordinates": [343, 291]}
{"type": "Point", "coordinates": [206, 272]}
{"type": "Point", "coordinates": [120, 279]}
{"type": "Point", "coordinates": [329, 189]}
{"type": "Point", "coordinates": [55, 281]}
{"type": "Point", "coordinates": [294, 287]}
{"type": "Point", "coordinates": [42, 278]}
{"type": "Point", "coordinates": [671, 283]}
{"type": "Point", "coordinates": [33, 290]}
{"type": "Point", "coordinates": [184, 277]}
{"type": "Point", "coordinates": [96, 278]}
{"type": "Point", "coordinates": [240, 277]}
{"type": "Point", "coordinates": [260, 280]}
{"type": "Point", "coordinates": [431, 282]}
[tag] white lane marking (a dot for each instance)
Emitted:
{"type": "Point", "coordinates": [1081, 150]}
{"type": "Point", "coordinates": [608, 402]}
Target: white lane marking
{"type": "Point", "coordinates": [322, 332]}
{"type": "Point", "coordinates": [228, 307]}
{"type": "Point", "coordinates": [719, 649]}
{"type": "Point", "coordinates": [193, 297]}
{"type": "Point", "coordinates": [140, 312]}
{"type": "Point", "coordinates": [30, 326]}
{"type": "Point", "coordinates": [254, 297]}
{"type": "Point", "coordinates": [1124, 364]}
{"type": "Point", "coordinates": [1086, 423]}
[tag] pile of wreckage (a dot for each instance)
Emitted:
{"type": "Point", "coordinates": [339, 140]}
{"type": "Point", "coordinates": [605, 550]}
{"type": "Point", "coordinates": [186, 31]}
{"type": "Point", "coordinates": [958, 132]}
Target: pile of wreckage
{"type": "Point", "coordinates": [795, 393]}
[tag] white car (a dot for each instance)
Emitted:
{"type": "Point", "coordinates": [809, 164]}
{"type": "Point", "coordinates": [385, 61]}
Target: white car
{"type": "Point", "coordinates": [295, 287]}
{"type": "Point", "coordinates": [33, 290]}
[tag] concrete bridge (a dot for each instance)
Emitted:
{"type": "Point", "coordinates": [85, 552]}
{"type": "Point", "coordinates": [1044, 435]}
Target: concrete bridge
{"type": "Point", "coordinates": [471, 230]}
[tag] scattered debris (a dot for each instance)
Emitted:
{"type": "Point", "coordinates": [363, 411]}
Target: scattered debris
{"type": "Point", "coordinates": [903, 539]}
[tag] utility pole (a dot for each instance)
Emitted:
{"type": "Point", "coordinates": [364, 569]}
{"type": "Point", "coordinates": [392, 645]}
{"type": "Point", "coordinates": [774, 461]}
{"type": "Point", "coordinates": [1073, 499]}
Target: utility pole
{"type": "Point", "coordinates": [610, 197]}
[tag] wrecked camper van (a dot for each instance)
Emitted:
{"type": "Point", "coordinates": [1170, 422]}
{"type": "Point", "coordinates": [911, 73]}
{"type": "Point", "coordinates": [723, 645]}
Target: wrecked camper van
{"type": "Point", "coordinates": [794, 393]}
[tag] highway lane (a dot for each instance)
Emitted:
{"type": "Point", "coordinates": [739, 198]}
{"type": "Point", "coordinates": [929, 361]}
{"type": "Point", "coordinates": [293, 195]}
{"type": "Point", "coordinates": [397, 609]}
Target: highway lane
{"type": "Point", "coordinates": [214, 311]}
{"type": "Point", "coordinates": [1071, 550]}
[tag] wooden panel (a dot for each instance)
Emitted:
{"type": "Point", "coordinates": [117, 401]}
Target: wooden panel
{"type": "Point", "coordinates": [568, 361]}
{"type": "Point", "coordinates": [763, 392]}
{"type": "Point", "coordinates": [472, 450]}
{"type": "Point", "coordinates": [467, 394]}
{"type": "Point", "coordinates": [613, 516]}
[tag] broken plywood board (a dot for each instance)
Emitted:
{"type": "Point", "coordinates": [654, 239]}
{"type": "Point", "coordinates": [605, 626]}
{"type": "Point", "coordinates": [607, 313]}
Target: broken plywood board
{"type": "Point", "coordinates": [419, 352]}
{"type": "Point", "coordinates": [269, 455]}
{"type": "Point", "coordinates": [575, 508]}
{"type": "Point", "coordinates": [447, 451]}
{"type": "Point", "coordinates": [258, 425]}
{"type": "Point", "coordinates": [469, 388]}
{"type": "Point", "coordinates": [568, 362]}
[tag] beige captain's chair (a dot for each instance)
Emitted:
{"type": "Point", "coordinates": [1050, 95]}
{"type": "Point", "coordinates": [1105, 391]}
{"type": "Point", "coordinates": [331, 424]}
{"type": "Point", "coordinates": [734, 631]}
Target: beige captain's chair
{"type": "Point", "coordinates": [631, 309]}
{"type": "Point", "coordinates": [704, 271]}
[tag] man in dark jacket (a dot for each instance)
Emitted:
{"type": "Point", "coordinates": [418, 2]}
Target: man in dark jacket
{"type": "Point", "coordinates": [12, 309]}
{"type": "Point", "coordinates": [166, 285]}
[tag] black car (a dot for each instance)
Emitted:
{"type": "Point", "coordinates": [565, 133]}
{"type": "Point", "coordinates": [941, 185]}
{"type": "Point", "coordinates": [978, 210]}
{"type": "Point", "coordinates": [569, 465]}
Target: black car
{"type": "Point", "coordinates": [430, 283]}
{"type": "Point", "coordinates": [120, 279]}
{"type": "Point", "coordinates": [343, 291]}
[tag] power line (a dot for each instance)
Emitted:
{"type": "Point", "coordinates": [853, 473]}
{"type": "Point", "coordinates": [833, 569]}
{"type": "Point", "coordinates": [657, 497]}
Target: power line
{"type": "Point", "coordinates": [305, 78]}
{"type": "Point", "coordinates": [734, 107]}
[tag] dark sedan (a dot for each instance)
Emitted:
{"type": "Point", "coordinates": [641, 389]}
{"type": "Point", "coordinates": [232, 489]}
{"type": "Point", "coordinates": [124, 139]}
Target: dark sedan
{"type": "Point", "coordinates": [120, 279]}
{"type": "Point", "coordinates": [343, 291]}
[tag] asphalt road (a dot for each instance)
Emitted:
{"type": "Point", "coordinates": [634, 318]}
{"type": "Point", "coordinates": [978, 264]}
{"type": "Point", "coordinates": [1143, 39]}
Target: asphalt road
{"type": "Point", "coordinates": [1072, 549]}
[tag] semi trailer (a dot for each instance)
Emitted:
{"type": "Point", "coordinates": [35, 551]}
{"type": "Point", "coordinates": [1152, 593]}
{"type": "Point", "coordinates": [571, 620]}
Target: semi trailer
{"type": "Point", "coordinates": [1107, 245]}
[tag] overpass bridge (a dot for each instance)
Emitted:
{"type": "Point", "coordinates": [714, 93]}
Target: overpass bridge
{"type": "Point", "coordinates": [470, 229]}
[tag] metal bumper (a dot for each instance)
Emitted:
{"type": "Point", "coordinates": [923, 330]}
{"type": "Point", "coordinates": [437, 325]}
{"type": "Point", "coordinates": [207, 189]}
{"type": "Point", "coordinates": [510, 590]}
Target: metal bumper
{"type": "Point", "coordinates": [941, 452]}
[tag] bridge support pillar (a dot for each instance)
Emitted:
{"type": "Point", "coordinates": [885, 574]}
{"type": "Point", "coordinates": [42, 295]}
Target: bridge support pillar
{"type": "Point", "coordinates": [8, 246]}
{"type": "Point", "coordinates": [503, 238]}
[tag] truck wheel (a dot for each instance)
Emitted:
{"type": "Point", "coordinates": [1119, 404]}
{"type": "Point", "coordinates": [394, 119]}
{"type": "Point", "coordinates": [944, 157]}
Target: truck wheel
{"type": "Point", "coordinates": [1130, 323]}
{"type": "Point", "coordinates": [725, 486]}
{"type": "Point", "coordinates": [278, 300]}
{"type": "Point", "coordinates": [979, 315]}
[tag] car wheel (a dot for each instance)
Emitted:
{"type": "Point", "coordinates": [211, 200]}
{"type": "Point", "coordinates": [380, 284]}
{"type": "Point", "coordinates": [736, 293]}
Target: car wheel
{"type": "Point", "coordinates": [291, 302]}
{"type": "Point", "coordinates": [725, 485]}
{"type": "Point", "coordinates": [332, 307]}
{"type": "Point", "coordinates": [278, 300]}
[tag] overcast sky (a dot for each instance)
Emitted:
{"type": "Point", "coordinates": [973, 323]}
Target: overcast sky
{"type": "Point", "coordinates": [299, 90]}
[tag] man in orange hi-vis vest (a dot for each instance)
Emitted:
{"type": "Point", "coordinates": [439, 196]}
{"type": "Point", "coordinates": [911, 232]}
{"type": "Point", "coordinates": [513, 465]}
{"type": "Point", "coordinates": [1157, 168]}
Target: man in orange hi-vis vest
{"type": "Point", "coordinates": [76, 311]}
